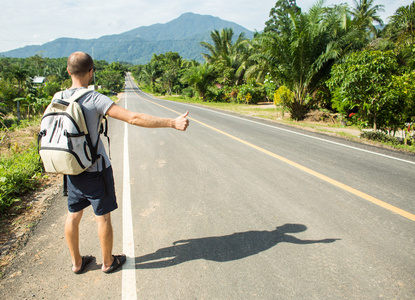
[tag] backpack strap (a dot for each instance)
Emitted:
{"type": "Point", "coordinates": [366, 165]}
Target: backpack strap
{"type": "Point", "coordinates": [59, 100]}
{"type": "Point", "coordinates": [78, 94]}
{"type": "Point", "coordinates": [104, 130]}
{"type": "Point", "coordinates": [65, 185]}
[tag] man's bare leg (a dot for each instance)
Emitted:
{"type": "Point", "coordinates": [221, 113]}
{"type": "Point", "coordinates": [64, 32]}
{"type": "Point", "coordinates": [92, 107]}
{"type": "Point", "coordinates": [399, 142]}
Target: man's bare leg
{"type": "Point", "coordinates": [105, 234]}
{"type": "Point", "coordinates": [72, 238]}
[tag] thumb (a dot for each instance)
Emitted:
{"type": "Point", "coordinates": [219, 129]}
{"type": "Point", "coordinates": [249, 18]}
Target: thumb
{"type": "Point", "coordinates": [185, 114]}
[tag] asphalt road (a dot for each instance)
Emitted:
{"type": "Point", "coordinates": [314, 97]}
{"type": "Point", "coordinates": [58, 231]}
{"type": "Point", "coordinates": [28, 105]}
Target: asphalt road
{"type": "Point", "coordinates": [236, 208]}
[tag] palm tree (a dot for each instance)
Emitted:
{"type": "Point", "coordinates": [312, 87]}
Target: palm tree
{"type": "Point", "coordinates": [21, 75]}
{"type": "Point", "coordinates": [402, 25]}
{"type": "Point", "coordinates": [301, 56]}
{"type": "Point", "coordinates": [151, 72]}
{"type": "Point", "coordinates": [225, 55]}
{"type": "Point", "coordinates": [200, 78]}
{"type": "Point", "coordinates": [365, 14]}
{"type": "Point", "coordinates": [222, 45]}
{"type": "Point", "coordinates": [400, 32]}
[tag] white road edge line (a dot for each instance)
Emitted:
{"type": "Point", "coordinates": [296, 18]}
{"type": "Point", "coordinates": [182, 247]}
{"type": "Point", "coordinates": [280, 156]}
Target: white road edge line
{"type": "Point", "coordinates": [294, 132]}
{"type": "Point", "coordinates": [129, 289]}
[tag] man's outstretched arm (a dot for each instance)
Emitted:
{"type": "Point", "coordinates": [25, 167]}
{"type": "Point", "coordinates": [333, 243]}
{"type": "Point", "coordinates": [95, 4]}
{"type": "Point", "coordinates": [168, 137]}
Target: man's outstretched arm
{"type": "Point", "coordinates": [144, 120]}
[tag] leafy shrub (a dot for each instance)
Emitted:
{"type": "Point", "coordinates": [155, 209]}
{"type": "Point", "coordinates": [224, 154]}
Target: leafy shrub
{"type": "Point", "coordinates": [380, 137]}
{"type": "Point", "coordinates": [283, 96]}
{"type": "Point", "coordinates": [18, 174]}
{"type": "Point", "coordinates": [188, 92]}
{"type": "Point", "coordinates": [217, 95]}
{"type": "Point", "coordinates": [250, 94]}
{"type": "Point", "coordinates": [270, 87]}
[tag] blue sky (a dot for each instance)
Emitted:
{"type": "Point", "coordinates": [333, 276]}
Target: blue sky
{"type": "Point", "coordinates": [29, 22]}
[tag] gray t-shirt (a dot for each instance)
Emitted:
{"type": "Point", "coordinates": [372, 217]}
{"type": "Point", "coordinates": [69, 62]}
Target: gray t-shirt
{"type": "Point", "coordinates": [95, 106]}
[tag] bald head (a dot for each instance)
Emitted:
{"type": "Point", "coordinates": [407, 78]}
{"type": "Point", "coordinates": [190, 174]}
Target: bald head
{"type": "Point", "coordinates": [79, 63]}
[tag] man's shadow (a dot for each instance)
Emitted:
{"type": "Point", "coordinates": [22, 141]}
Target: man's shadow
{"type": "Point", "coordinates": [223, 248]}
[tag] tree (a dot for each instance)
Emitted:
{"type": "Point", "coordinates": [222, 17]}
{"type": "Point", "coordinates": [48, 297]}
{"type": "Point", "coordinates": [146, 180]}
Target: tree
{"type": "Point", "coordinates": [171, 62]}
{"type": "Point", "coordinates": [8, 93]}
{"type": "Point", "coordinates": [301, 55]}
{"type": "Point", "coordinates": [401, 31]}
{"type": "Point", "coordinates": [280, 16]}
{"type": "Point", "coordinates": [365, 14]}
{"type": "Point", "coordinates": [112, 80]}
{"type": "Point", "coordinates": [200, 78]}
{"type": "Point", "coordinates": [226, 56]}
{"type": "Point", "coordinates": [402, 23]}
{"type": "Point", "coordinates": [21, 75]}
{"type": "Point", "coordinates": [360, 82]}
{"type": "Point", "coordinates": [222, 45]}
{"type": "Point", "coordinates": [112, 76]}
{"type": "Point", "coordinates": [151, 72]}
{"type": "Point", "coordinates": [401, 101]}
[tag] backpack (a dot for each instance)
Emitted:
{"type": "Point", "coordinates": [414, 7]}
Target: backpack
{"type": "Point", "coordinates": [64, 143]}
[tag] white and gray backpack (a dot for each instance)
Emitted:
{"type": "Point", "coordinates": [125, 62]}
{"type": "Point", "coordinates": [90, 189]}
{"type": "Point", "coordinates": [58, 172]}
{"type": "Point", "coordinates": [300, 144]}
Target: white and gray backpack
{"type": "Point", "coordinates": [64, 141]}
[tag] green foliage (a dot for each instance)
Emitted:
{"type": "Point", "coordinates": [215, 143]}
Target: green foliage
{"type": "Point", "coordinates": [8, 92]}
{"type": "Point", "coordinates": [298, 49]}
{"type": "Point", "coordinates": [111, 77]}
{"type": "Point", "coordinates": [401, 32]}
{"type": "Point", "coordinates": [112, 80]}
{"type": "Point", "coordinates": [217, 95]}
{"type": "Point", "coordinates": [18, 174]}
{"type": "Point", "coordinates": [270, 87]}
{"type": "Point", "coordinates": [227, 57]}
{"type": "Point", "coordinates": [164, 73]}
{"type": "Point", "coordinates": [200, 78]}
{"type": "Point", "coordinates": [360, 82]}
{"type": "Point", "coordinates": [188, 92]}
{"type": "Point", "coordinates": [400, 97]}
{"type": "Point", "coordinates": [51, 88]}
{"type": "Point", "coordinates": [251, 94]}
{"type": "Point", "coordinates": [365, 15]}
{"type": "Point", "coordinates": [280, 16]}
{"type": "Point", "coordinates": [283, 96]}
{"type": "Point", "coordinates": [380, 137]}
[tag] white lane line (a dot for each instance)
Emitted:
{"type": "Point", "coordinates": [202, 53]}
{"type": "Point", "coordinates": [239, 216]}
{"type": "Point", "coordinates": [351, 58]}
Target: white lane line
{"type": "Point", "coordinates": [129, 290]}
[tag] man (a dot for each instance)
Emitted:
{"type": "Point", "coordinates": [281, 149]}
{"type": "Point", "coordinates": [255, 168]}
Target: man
{"type": "Point", "coordinates": [95, 186]}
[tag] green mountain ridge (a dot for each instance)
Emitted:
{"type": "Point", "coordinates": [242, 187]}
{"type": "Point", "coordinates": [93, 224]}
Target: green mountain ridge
{"type": "Point", "coordinates": [182, 35]}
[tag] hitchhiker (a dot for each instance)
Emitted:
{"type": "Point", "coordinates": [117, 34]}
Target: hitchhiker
{"type": "Point", "coordinates": [95, 186]}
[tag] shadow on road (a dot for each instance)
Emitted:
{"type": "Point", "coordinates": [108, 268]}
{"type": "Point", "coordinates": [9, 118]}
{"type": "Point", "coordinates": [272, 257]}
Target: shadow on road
{"type": "Point", "coordinates": [223, 248]}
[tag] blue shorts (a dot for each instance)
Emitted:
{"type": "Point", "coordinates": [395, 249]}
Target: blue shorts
{"type": "Point", "coordinates": [92, 188]}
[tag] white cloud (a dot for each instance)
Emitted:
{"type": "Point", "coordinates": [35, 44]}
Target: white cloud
{"type": "Point", "coordinates": [24, 22]}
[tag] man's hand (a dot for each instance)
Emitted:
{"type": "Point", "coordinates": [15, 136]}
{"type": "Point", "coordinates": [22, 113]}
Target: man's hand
{"type": "Point", "coordinates": [181, 122]}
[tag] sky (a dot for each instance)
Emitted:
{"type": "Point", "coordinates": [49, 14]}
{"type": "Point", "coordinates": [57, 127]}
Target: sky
{"type": "Point", "coordinates": [34, 22]}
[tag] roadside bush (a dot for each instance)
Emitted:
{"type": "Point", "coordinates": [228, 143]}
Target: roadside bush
{"type": "Point", "coordinates": [217, 95]}
{"type": "Point", "coordinates": [251, 94]}
{"type": "Point", "coordinates": [380, 137]}
{"type": "Point", "coordinates": [283, 96]}
{"type": "Point", "coordinates": [19, 173]}
{"type": "Point", "coordinates": [188, 92]}
{"type": "Point", "coordinates": [270, 87]}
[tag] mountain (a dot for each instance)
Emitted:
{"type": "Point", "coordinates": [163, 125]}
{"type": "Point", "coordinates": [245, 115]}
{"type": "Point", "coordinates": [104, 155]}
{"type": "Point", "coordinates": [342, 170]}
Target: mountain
{"type": "Point", "coordinates": [182, 35]}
